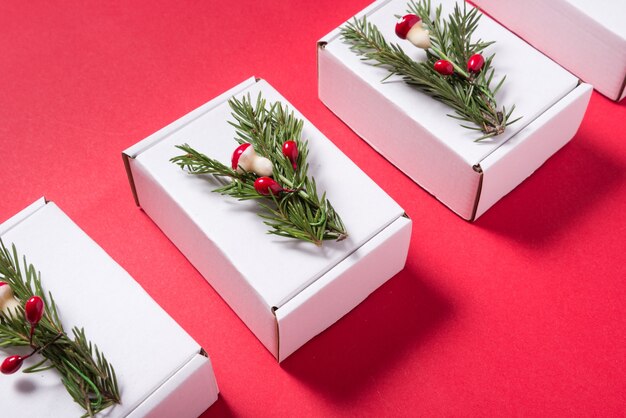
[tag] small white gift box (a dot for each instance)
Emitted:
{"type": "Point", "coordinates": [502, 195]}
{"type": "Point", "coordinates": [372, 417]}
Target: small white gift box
{"type": "Point", "coordinates": [161, 370]}
{"type": "Point", "coordinates": [285, 291]}
{"type": "Point", "coordinates": [413, 131]}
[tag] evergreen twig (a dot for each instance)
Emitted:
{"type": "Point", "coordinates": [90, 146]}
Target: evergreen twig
{"type": "Point", "coordinates": [300, 213]}
{"type": "Point", "coordinates": [88, 377]}
{"type": "Point", "coordinates": [468, 94]}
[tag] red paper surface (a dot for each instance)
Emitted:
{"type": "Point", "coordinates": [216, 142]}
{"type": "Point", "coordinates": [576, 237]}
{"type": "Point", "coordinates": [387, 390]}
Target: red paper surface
{"type": "Point", "coordinates": [521, 313]}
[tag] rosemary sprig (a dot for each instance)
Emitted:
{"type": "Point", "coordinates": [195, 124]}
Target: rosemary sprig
{"type": "Point", "coordinates": [468, 94]}
{"type": "Point", "coordinates": [85, 372]}
{"type": "Point", "coordinates": [298, 213]}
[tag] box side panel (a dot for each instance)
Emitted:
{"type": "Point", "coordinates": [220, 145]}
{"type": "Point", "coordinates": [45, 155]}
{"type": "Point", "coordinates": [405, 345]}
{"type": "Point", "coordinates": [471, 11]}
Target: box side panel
{"type": "Point", "coordinates": [344, 287]}
{"type": "Point", "coordinates": [567, 35]}
{"type": "Point", "coordinates": [392, 133]}
{"type": "Point", "coordinates": [205, 256]}
{"type": "Point", "coordinates": [186, 394]}
{"type": "Point", "coordinates": [529, 149]}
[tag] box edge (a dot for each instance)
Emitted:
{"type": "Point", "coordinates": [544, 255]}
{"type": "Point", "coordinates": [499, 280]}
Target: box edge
{"type": "Point", "coordinates": [403, 231]}
{"type": "Point", "coordinates": [581, 93]}
{"type": "Point", "coordinates": [22, 215]}
{"type": "Point", "coordinates": [162, 396]}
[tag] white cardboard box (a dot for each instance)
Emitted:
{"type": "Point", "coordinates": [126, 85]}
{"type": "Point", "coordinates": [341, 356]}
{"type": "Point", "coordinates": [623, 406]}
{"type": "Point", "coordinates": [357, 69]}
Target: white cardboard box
{"type": "Point", "coordinates": [285, 291]}
{"type": "Point", "coordinates": [161, 370]}
{"type": "Point", "coordinates": [414, 132]}
{"type": "Point", "coordinates": [586, 37]}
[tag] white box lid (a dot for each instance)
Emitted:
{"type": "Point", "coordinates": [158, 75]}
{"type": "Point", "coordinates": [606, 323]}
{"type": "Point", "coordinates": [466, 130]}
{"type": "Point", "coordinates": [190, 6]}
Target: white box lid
{"type": "Point", "coordinates": [142, 342]}
{"type": "Point", "coordinates": [276, 268]}
{"type": "Point", "coordinates": [534, 82]}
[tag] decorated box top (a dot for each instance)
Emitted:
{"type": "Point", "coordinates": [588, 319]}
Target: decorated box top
{"type": "Point", "coordinates": [533, 82]}
{"type": "Point", "coordinates": [276, 268]}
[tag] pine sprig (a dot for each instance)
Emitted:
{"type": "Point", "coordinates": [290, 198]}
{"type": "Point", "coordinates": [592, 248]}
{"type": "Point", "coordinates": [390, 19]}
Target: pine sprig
{"type": "Point", "coordinates": [468, 94]}
{"type": "Point", "coordinates": [86, 374]}
{"type": "Point", "coordinates": [298, 213]}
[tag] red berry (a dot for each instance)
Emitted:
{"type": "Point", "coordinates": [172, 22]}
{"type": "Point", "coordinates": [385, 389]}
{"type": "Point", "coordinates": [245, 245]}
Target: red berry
{"type": "Point", "coordinates": [267, 185]}
{"type": "Point", "coordinates": [34, 310]}
{"type": "Point", "coordinates": [444, 67]}
{"type": "Point", "coordinates": [3, 283]}
{"type": "Point", "coordinates": [290, 150]}
{"type": "Point", "coordinates": [234, 162]}
{"type": "Point", "coordinates": [11, 364]}
{"type": "Point", "coordinates": [475, 63]}
{"type": "Point", "coordinates": [405, 23]}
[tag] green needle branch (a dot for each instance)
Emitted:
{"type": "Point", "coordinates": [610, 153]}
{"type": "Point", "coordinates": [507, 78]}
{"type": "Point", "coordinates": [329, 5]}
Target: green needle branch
{"type": "Point", "coordinates": [297, 212]}
{"type": "Point", "coordinates": [85, 372]}
{"type": "Point", "coordinates": [468, 94]}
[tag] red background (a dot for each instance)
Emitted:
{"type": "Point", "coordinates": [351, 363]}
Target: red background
{"type": "Point", "coordinates": [520, 313]}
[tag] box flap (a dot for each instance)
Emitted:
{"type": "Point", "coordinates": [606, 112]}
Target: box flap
{"type": "Point", "coordinates": [159, 135]}
{"type": "Point", "coordinates": [364, 12]}
{"type": "Point", "coordinates": [529, 149]}
{"type": "Point", "coordinates": [146, 143]}
{"type": "Point", "coordinates": [340, 290]}
{"type": "Point", "coordinates": [186, 394]}
{"type": "Point", "coordinates": [22, 215]}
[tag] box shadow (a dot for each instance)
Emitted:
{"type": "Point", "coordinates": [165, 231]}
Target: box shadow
{"type": "Point", "coordinates": [342, 362]}
{"type": "Point", "coordinates": [575, 180]}
{"type": "Point", "coordinates": [219, 409]}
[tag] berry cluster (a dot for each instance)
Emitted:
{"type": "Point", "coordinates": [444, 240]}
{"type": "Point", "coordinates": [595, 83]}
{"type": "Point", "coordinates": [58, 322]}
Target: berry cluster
{"type": "Point", "coordinates": [33, 311]}
{"type": "Point", "coordinates": [410, 27]}
{"type": "Point", "coordinates": [245, 158]}
{"type": "Point", "coordinates": [474, 65]}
